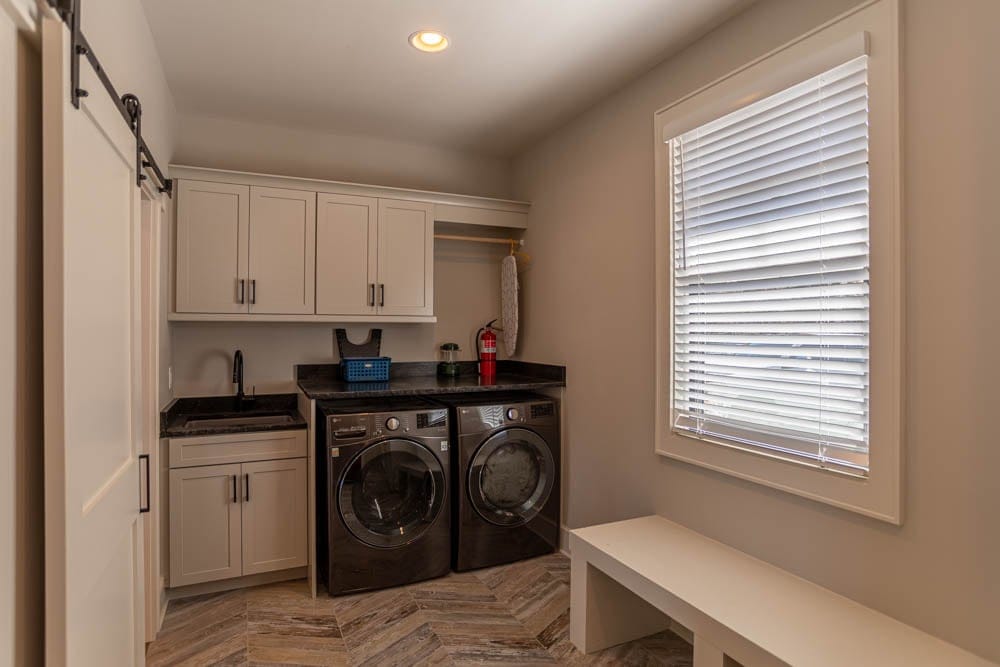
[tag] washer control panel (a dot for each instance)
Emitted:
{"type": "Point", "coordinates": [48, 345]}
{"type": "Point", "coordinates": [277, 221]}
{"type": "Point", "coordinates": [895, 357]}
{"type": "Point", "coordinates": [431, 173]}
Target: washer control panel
{"type": "Point", "coordinates": [348, 428]}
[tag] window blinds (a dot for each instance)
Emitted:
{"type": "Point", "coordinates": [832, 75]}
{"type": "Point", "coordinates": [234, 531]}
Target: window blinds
{"type": "Point", "coordinates": [769, 207]}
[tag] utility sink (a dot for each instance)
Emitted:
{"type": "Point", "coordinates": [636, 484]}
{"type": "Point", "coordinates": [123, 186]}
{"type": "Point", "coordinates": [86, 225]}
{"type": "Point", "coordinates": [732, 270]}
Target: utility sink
{"type": "Point", "coordinates": [200, 422]}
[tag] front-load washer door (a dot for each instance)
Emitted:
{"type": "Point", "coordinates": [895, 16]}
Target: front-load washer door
{"type": "Point", "coordinates": [511, 476]}
{"type": "Point", "coordinates": [391, 492]}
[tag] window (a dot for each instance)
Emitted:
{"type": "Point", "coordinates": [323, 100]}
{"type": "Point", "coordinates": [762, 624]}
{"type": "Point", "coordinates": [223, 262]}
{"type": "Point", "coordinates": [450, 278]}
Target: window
{"type": "Point", "coordinates": [770, 273]}
{"type": "Point", "coordinates": [779, 271]}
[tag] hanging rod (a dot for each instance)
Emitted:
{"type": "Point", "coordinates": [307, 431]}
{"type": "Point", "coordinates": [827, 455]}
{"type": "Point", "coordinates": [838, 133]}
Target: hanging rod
{"type": "Point", "coordinates": [479, 239]}
{"type": "Point", "coordinates": [128, 105]}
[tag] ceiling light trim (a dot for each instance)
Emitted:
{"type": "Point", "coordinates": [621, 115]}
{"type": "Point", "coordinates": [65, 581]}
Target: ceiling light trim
{"type": "Point", "coordinates": [429, 41]}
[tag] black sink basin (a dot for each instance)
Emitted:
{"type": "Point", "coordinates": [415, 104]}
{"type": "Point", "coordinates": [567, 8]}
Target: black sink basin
{"type": "Point", "coordinates": [220, 414]}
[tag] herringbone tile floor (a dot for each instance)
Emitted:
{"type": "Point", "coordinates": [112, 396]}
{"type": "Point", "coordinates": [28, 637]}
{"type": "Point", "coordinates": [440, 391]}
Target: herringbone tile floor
{"type": "Point", "coordinates": [514, 614]}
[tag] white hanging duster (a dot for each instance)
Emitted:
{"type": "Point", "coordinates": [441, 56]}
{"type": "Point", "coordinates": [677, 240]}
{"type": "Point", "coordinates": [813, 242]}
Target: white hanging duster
{"type": "Point", "coordinates": [508, 302]}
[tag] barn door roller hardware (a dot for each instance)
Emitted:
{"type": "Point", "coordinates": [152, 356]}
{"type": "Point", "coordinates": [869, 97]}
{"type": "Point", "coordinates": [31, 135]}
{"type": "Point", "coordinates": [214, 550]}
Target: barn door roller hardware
{"type": "Point", "coordinates": [128, 105]}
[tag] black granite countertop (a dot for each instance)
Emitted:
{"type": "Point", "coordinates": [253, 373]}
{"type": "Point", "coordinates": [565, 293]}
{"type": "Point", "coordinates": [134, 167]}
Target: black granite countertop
{"type": "Point", "coordinates": [174, 418]}
{"type": "Point", "coordinates": [322, 381]}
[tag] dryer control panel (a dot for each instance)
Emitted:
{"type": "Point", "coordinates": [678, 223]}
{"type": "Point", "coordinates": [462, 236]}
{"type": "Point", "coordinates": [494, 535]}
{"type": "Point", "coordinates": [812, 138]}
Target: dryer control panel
{"type": "Point", "coordinates": [538, 412]}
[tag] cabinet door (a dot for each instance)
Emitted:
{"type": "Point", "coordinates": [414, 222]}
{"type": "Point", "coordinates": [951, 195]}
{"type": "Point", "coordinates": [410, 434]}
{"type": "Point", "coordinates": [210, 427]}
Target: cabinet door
{"type": "Point", "coordinates": [282, 251]}
{"type": "Point", "coordinates": [274, 515]}
{"type": "Point", "coordinates": [405, 257]}
{"type": "Point", "coordinates": [346, 253]}
{"type": "Point", "coordinates": [212, 230]}
{"type": "Point", "coordinates": [205, 528]}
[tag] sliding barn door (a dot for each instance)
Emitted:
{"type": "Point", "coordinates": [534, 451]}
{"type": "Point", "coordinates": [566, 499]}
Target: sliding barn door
{"type": "Point", "coordinates": [93, 539]}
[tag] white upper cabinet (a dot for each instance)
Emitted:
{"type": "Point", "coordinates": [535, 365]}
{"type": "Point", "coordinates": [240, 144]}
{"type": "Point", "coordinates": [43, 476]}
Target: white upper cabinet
{"type": "Point", "coordinates": [282, 251]}
{"type": "Point", "coordinates": [374, 257]}
{"type": "Point", "coordinates": [213, 221]}
{"type": "Point", "coordinates": [252, 247]}
{"type": "Point", "coordinates": [346, 254]}
{"type": "Point", "coordinates": [405, 257]}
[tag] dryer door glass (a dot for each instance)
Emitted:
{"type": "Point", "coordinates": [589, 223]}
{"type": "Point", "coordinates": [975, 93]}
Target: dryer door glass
{"type": "Point", "coordinates": [391, 493]}
{"type": "Point", "coordinates": [511, 477]}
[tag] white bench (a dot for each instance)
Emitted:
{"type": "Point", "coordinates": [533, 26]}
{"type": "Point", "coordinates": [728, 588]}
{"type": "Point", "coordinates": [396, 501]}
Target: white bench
{"type": "Point", "coordinates": [631, 577]}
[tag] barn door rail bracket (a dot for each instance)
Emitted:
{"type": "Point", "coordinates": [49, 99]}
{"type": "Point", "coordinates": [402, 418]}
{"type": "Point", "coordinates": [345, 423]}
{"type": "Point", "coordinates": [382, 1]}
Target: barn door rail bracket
{"type": "Point", "coordinates": [128, 105]}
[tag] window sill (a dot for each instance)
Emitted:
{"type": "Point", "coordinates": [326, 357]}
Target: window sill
{"type": "Point", "coordinates": [874, 496]}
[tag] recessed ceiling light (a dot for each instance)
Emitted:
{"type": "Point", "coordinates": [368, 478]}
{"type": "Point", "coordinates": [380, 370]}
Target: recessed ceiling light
{"type": "Point", "coordinates": [430, 41]}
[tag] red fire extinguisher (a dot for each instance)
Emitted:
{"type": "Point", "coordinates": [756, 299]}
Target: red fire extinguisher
{"type": "Point", "coordinates": [486, 341]}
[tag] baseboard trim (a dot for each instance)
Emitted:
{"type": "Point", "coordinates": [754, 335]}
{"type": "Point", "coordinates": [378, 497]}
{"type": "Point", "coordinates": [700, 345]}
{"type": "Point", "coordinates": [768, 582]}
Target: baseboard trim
{"type": "Point", "coordinates": [236, 583]}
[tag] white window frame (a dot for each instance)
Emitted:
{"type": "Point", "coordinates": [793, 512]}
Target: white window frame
{"type": "Point", "coordinates": [872, 28]}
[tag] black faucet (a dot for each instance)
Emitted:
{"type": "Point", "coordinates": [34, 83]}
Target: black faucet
{"type": "Point", "coordinates": [241, 397]}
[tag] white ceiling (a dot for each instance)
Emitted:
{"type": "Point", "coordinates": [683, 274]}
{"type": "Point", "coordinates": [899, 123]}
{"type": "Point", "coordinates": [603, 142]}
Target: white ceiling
{"type": "Point", "coordinates": [515, 69]}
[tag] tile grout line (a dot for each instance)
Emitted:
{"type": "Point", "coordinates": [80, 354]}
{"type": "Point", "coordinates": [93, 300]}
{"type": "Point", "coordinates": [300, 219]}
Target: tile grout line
{"type": "Point", "coordinates": [422, 616]}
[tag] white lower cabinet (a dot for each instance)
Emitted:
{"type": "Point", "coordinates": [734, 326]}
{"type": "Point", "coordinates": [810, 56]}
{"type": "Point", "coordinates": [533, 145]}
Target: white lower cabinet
{"type": "Point", "coordinates": [205, 526]}
{"type": "Point", "coordinates": [274, 515]}
{"type": "Point", "coordinates": [237, 519]}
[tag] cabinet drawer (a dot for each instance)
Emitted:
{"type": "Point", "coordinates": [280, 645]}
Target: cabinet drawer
{"type": "Point", "coordinates": [236, 448]}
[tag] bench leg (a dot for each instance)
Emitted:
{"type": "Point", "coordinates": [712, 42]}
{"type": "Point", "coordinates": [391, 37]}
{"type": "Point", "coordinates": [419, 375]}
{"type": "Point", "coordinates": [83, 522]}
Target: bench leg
{"type": "Point", "coordinates": [706, 654]}
{"type": "Point", "coordinates": [604, 613]}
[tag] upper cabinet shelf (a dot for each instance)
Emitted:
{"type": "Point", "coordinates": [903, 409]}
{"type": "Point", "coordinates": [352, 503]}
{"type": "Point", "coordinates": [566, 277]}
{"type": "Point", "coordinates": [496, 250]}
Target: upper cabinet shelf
{"type": "Point", "coordinates": [252, 247]}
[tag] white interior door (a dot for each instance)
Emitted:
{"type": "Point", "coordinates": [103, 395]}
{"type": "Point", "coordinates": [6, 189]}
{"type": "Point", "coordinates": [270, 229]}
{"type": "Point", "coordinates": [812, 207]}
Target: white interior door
{"type": "Point", "coordinates": [93, 536]}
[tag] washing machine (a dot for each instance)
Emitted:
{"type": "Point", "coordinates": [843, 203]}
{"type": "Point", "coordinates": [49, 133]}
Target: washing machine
{"type": "Point", "coordinates": [383, 503]}
{"type": "Point", "coordinates": [506, 467]}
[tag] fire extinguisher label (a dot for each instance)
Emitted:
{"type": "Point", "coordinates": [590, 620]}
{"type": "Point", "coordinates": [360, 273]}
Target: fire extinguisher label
{"type": "Point", "coordinates": [488, 346]}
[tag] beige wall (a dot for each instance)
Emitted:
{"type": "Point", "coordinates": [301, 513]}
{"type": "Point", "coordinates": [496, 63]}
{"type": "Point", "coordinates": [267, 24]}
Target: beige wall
{"type": "Point", "coordinates": [466, 296]}
{"type": "Point", "coordinates": [592, 291]}
{"type": "Point", "coordinates": [233, 144]}
{"type": "Point", "coordinates": [21, 545]}
{"type": "Point", "coordinates": [120, 35]}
